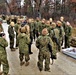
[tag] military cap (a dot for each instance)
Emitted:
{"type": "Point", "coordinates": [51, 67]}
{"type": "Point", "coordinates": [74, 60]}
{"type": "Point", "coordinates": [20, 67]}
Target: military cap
{"type": "Point", "coordinates": [44, 31]}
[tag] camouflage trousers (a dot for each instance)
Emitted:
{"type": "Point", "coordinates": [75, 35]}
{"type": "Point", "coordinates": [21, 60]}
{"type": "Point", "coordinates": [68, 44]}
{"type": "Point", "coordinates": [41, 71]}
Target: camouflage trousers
{"type": "Point", "coordinates": [43, 55]}
{"type": "Point", "coordinates": [21, 57]}
{"type": "Point", "coordinates": [4, 62]}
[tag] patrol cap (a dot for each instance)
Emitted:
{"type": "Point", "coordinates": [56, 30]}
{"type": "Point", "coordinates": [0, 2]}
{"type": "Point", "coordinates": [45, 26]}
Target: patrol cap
{"type": "Point", "coordinates": [12, 23]}
{"type": "Point", "coordinates": [44, 31]}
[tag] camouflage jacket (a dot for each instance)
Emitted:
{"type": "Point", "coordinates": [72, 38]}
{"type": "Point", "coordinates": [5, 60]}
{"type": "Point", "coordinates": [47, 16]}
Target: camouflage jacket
{"type": "Point", "coordinates": [3, 44]}
{"type": "Point", "coordinates": [68, 31]}
{"type": "Point", "coordinates": [24, 41]}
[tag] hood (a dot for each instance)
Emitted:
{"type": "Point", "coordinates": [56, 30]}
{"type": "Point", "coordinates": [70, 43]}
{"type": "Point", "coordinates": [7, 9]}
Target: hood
{"type": "Point", "coordinates": [23, 34]}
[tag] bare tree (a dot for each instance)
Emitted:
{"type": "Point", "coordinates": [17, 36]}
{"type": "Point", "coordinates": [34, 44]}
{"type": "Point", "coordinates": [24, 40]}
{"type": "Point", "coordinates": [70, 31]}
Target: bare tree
{"type": "Point", "coordinates": [8, 6]}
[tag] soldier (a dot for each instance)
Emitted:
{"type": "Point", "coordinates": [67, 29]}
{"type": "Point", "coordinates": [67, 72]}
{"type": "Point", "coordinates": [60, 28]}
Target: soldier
{"type": "Point", "coordinates": [54, 35]}
{"type": "Point", "coordinates": [63, 25]}
{"type": "Point", "coordinates": [61, 33]}
{"type": "Point", "coordinates": [3, 55]}
{"type": "Point", "coordinates": [44, 54]}
{"type": "Point", "coordinates": [42, 26]}
{"type": "Point", "coordinates": [47, 24]}
{"type": "Point", "coordinates": [24, 42]}
{"type": "Point", "coordinates": [68, 32]}
{"type": "Point", "coordinates": [17, 26]}
{"type": "Point", "coordinates": [37, 24]}
{"type": "Point", "coordinates": [1, 28]}
{"type": "Point", "coordinates": [11, 35]}
{"type": "Point", "coordinates": [31, 25]}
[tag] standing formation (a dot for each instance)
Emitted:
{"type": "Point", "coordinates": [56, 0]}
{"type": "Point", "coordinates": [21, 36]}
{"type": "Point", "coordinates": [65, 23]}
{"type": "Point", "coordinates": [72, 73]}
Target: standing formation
{"type": "Point", "coordinates": [49, 36]}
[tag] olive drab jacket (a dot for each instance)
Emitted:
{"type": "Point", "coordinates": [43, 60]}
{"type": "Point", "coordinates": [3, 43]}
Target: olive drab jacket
{"type": "Point", "coordinates": [24, 41]}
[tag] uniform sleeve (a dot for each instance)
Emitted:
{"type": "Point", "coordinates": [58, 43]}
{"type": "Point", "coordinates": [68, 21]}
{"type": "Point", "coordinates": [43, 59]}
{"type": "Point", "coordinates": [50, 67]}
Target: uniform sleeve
{"type": "Point", "coordinates": [63, 33]}
{"type": "Point", "coordinates": [52, 45]}
{"type": "Point", "coordinates": [70, 30]}
{"type": "Point", "coordinates": [3, 43]}
{"type": "Point", "coordinates": [37, 42]}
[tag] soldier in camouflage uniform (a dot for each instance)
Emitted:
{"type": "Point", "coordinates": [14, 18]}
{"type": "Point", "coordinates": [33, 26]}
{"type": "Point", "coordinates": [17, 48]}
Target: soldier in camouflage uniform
{"type": "Point", "coordinates": [61, 33]}
{"type": "Point", "coordinates": [11, 35]}
{"type": "Point", "coordinates": [68, 32]}
{"type": "Point", "coordinates": [42, 26]}
{"type": "Point", "coordinates": [31, 25]}
{"type": "Point", "coordinates": [17, 26]}
{"type": "Point", "coordinates": [24, 42]}
{"type": "Point", "coordinates": [64, 26]}
{"type": "Point", "coordinates": [54, 35]}
{"type": "Point", "coordinates": [3, 55]}
{"type": "Point", "coordinates": [37, 24]}
{"type": "Point", "coordinates": [44, 53]}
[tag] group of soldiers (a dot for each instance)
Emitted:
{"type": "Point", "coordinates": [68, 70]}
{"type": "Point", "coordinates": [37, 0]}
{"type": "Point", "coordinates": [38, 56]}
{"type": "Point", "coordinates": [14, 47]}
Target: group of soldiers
{"type": "Point", "coordinates": [48, 35]}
